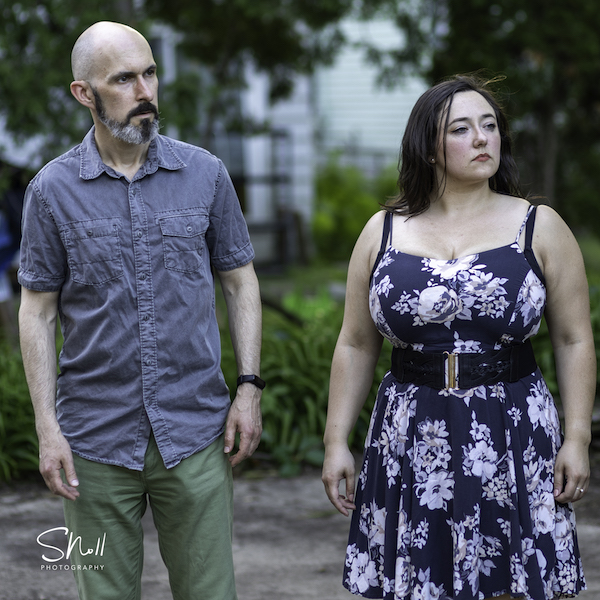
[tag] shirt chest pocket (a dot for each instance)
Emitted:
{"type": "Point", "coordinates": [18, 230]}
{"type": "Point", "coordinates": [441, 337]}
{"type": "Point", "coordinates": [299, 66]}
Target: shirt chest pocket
{"type": "Point", "coordinates": [93, 250]}
{"type": "Point", "coordinates": [183, 241]}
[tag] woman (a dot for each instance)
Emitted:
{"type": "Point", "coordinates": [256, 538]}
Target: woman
{"type": "Point", "coordinates": [465, 488]}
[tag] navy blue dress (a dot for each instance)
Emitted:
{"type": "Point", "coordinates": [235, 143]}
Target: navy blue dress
{"type": "Point", "coordinates": [455, 497]}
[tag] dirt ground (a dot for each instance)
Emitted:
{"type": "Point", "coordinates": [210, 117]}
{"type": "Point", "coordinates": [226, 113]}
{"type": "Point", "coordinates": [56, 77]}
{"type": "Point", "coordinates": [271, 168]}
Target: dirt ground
{"type": "Point", "coordinates": [289, 543]}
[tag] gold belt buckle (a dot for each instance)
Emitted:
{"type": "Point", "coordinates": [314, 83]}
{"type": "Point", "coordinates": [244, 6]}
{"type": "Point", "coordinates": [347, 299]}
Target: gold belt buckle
{"type": "Point", "coordinates": [451, 371]}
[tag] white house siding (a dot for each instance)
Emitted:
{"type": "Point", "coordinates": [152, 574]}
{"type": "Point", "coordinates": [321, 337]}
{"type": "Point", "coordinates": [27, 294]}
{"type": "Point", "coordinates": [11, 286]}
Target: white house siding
{"type": "Point", "coordinates": [279, 168]}
{"type": "Point", "coordinates": [355, 114]}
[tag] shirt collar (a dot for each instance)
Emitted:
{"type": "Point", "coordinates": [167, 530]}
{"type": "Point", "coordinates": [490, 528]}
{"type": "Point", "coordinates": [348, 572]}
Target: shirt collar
{"type": "Point", "coordinates": [161, 154]}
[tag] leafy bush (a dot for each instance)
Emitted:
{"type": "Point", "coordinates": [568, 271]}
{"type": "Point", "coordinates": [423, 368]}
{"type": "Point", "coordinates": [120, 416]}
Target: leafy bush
{"type": "Point", "coordinates": [18, 440]}
{"type": "Point", "coordinates": [296, 362]}
{"type": "Point", "coordinates": [345, 201]}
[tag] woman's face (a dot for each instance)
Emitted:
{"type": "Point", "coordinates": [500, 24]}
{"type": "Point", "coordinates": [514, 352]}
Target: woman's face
{"type": "Point", "coordinates": [472, 141]}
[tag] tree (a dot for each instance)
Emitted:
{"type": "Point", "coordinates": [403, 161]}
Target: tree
{"type": "Point", "coordinates": [277, 37]}
{"type": "Point", "coordinates": [549, 52]}
{"type": "Point", "coordinates": [36, 37]}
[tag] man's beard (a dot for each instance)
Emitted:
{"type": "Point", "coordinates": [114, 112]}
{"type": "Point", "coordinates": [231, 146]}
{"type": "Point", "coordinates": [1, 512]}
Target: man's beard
{"type": "Point", "coordinates": [125, 130]}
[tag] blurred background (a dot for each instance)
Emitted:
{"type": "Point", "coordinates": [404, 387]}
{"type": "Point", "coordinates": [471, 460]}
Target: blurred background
{"type": "Point", "coordinates": [305, 101]}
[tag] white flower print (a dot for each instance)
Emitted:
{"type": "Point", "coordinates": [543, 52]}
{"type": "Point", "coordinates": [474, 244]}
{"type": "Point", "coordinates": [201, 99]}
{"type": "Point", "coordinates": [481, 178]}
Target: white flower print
{"type": "Point", "coordinates": [385, 261]}
{"type": "Point", "coordinates": [515, 414]}
{"type": "Point", "coordinates": [465, 346]}
{"type": "Point", "coordinates": [449, 269]}
{"type": "Point", "coordinates": [531, 299]}
{"type": "Point", "coordinates": [425, 589]}
{"type": "Point", "coordinates": [518, 576]}
{"type": "Point", "coordinates": [420, 534]}
{"type": "Point", "coordinates": [480, 459]}
{"type": "Point", "coordinates": [380, 320]}
{"type": "Point", "coordinates": [391, 443]}
{"type": "Point", "coordinates": [563, 534]}
{"type": "Point", "coordinates": [484, 285]}
{"type": "Point", "coordinates": [438, 304]}
{"type": "Point", "coordinates": [375, 530]}
{"type": "Point", "coordinates": [384, 286]}
{"type": "Point", "coordinates": [472, 551]}
{"type": "Point", "coordinates": [433, 432]}
{"type": "Point", "coordinates": [362, 571]}
{"type": "Point", "coordinates": [542, 410]}
{"type": "Point", "coordinates": [466, 394]}
{"type": "Point", "coordinates": [436, 490]}
{"type": "Point", "coordinates": [543, 511]}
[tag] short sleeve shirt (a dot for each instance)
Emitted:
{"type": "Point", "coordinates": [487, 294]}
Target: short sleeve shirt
{"type": "Point", "coordinates": [132, 262]}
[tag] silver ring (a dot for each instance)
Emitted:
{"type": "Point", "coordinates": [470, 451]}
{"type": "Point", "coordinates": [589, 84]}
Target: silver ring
{"type": "Point", "coordinates": [580, 490]}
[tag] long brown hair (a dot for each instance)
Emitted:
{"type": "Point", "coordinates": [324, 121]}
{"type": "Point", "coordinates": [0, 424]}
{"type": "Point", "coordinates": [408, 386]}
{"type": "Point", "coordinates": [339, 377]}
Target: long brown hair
{"type": "Point", "coordinates": [417, 177]}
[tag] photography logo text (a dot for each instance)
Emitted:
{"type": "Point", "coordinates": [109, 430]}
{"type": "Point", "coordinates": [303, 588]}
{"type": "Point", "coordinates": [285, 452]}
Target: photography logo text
{"type": "Point", "coordinates": [76, 549]}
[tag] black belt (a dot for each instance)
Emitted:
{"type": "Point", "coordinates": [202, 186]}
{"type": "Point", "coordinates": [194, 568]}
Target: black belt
{"type": "Point", "coordinates": [445, 370]}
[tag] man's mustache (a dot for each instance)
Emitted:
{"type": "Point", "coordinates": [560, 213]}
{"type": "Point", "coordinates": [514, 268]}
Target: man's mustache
{"type": "Point", "coordinates": [144, 107]}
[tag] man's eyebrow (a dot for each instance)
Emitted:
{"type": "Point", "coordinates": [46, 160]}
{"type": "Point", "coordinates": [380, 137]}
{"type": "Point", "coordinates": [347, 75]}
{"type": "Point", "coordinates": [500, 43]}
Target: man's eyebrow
{"type": "Point", "coordinates": [120, 74]}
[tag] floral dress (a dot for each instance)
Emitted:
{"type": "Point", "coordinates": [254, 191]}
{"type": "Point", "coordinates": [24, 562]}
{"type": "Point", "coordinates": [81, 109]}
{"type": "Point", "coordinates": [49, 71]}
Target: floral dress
{"type": "Point", "coordinates": [455, 496]}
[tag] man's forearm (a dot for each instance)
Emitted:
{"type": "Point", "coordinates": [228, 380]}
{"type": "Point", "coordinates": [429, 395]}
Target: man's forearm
{"type": "Point", "coordinates": [37, 330]}
{"type": "Point", "coordinates": [242, 295]}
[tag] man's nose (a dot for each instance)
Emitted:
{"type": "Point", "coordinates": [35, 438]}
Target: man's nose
{"type": "Point", "coordinates": [144, 91]}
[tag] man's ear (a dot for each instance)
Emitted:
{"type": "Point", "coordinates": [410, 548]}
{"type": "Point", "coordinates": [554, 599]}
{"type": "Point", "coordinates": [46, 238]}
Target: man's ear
{"type": "Point", "coordinates": [82, 92]}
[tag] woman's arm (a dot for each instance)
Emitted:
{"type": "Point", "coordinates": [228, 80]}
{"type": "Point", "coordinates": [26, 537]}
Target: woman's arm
{"type": "Point", "coordinates": [352, 370]}
{"type": "Point", "coordinates": [568, 318]}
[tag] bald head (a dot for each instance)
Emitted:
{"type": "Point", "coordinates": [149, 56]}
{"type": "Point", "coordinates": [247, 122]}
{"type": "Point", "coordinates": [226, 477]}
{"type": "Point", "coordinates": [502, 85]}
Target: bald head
{"type": "Point", "coordinates": [98, 43]}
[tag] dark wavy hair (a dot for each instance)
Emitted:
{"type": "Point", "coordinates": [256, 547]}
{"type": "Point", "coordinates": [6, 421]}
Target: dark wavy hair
{"type": "Point", "coordinates": [417, 179]}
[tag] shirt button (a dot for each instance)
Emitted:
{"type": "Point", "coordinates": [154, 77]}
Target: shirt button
{"type": "Point", "coordinates": [143, 276]}
{"type": "Point", "coordinates": [189, 229]}
{"type": "Point", "coordinates": [148, 363]}
{"type": "Point", "coordinates": [139, 234]}
{"type": "Point", "coordinates": [145, 317]}
{"type": "Point", "coordinates": [90, 233]}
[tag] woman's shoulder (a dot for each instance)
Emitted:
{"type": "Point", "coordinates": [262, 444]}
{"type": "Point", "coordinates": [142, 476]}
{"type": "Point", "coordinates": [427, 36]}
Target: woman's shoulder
{"type": "Point", "coordinates": [369, 241]}
{"type": "Point", "coordinates": [373, 229]}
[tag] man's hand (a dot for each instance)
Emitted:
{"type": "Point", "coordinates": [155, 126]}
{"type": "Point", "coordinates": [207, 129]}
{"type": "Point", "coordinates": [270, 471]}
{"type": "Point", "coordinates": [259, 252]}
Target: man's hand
{"type": "Point", "coordinates": [244, 418]}
{"type": "Point", "coordinates": [56, 456]}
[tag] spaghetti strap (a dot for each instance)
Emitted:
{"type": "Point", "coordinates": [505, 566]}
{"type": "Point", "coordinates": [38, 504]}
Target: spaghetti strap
{"type": "Point", "coordinates": [524, 223]}
{"type": "Point", "coordinates": [528, 250]}
{"type": "Point", "coordinates": [387, 236]}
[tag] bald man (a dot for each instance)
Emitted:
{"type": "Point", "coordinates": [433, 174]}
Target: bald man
{"type": "Point", "coordinates": [120, 238]}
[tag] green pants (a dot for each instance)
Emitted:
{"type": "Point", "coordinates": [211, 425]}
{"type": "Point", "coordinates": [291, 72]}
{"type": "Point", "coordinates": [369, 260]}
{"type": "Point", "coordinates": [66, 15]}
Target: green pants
{"type": "Point", "coordinates": [192, 507]}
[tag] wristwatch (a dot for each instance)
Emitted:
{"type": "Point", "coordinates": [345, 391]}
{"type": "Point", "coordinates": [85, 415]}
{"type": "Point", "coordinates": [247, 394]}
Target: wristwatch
{"type": "Point", "coordinates": [253, 379]}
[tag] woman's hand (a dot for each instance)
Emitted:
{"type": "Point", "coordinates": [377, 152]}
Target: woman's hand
{"type": "Point", "coordinates": [339, 464]}
{"type": "Point", "coordinates": [571, 472]}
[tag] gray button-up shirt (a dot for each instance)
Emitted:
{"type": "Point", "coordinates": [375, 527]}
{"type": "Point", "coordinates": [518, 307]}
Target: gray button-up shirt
{"type": "Point", "coordinates": [132, 262]}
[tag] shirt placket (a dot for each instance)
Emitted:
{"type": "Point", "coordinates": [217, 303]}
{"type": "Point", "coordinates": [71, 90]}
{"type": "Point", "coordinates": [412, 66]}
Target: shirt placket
{"type": "Point", "coordinates": [145, 304]}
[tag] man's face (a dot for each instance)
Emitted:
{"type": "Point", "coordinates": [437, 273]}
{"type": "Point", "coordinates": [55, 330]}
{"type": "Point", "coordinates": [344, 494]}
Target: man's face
{"type": "Point", "coordinates": [125, 90]}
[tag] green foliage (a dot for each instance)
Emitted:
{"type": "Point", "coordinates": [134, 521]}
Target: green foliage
{"type": "Point", "coordinates": [345, 200]}
{"type": "Point", "coordinates": [36, 38]}
{"type": "Point", "coordinates": [18, 441]}
{"type": "Point", "coordinates": [296, 363]}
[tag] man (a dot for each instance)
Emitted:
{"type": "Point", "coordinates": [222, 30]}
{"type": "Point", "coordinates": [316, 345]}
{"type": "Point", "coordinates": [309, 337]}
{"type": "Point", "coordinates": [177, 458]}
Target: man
{"type": "Point", "coordinates": [119, 237]}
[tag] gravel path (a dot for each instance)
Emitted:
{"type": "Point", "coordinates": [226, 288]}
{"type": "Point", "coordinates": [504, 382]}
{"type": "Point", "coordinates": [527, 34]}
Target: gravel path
{"type": "Point", "coordinates": [288, 543]}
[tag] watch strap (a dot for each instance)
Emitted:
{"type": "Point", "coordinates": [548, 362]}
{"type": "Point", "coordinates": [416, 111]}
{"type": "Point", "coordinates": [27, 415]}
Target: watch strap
{"type": "Point", "coordinates": [253, 379]}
